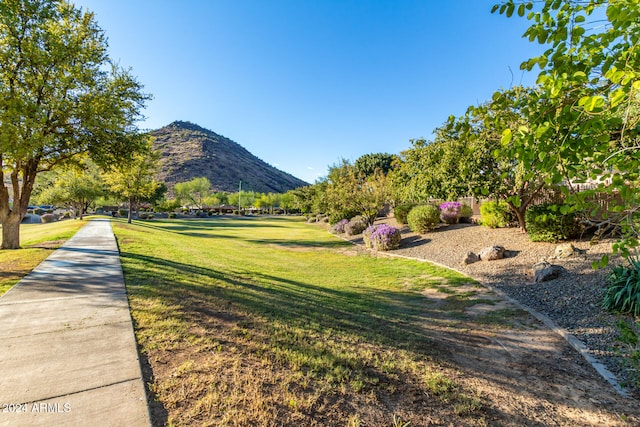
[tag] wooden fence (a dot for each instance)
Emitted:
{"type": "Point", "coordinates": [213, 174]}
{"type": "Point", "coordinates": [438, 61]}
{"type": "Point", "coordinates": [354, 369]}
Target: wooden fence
{"type": "Point", "coordinates": [548, 196]}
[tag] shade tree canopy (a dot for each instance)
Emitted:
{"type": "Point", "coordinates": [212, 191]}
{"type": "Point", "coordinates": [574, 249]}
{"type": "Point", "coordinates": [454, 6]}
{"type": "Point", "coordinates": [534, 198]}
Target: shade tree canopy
{"type": "Point", "coordinates": [193, 192]}
{"type": "Point", "coordinates": [467, 157]}
{"type": "Point", "coordinates": [588, 87]}
{"type": "Point", "coordinates": [75, 185]}
{"type": "Point", "coordinates": [60, 96]}
{"type": "Point", "coordinates": [134, 180]}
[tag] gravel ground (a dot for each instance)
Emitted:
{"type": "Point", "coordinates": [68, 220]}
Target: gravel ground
{"type": "Point", "coordinates": [572, 301]}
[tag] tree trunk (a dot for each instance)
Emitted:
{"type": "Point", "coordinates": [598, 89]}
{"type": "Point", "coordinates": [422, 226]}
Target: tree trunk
{"type": "Point", "coordinates": [11, 231]}
{"type": "Point", "coordinates": [522, 223]}
{"type": "Point", "coordinates": [11, 217]}
{"type": "Point", "coordinates": [520, 212]}
{"type": "Point", "coordinates": [130, 215]}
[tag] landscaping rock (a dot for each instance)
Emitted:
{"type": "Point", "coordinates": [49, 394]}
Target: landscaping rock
{"type": "Point", "coordinates": [565, 250]}
{"type": "Point", "coordinates": [544, 271]}
{"type": "Point", "coordinates": [491, 253]}
{"type": "Point", "coordinates": [471, 258]}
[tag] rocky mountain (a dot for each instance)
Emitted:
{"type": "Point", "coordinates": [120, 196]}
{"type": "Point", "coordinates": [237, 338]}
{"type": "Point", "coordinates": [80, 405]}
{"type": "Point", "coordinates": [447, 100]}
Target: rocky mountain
{"type": "Point", "coordinates": [190, 151]}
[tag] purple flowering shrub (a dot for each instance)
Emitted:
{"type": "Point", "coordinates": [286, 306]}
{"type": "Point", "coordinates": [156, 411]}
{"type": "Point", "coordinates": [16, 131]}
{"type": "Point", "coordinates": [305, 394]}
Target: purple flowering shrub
{"type": "Point", "coordinates": [382, 237]}
{"type": "Point", "coordinates": [356, 225]}
{"type": "Point", "coordinates": [450, 212]}
{"type": "Point", "coordinates": [338, 227]}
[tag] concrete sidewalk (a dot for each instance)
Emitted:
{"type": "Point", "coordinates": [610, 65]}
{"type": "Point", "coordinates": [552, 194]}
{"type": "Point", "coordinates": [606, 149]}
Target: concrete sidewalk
{"type": "Point", "coordinates": [67, 350]}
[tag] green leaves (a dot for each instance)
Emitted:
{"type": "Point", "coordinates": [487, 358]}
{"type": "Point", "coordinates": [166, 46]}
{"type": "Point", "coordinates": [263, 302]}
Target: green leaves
{"type": "Point", "coordinates": [509, 8]}
{"type": "Point", "coordinates": [507, 135]}
{"type": "Point", "coordinates": [592, 103]}
{"type": "Point", "coordinates": [66, 99]}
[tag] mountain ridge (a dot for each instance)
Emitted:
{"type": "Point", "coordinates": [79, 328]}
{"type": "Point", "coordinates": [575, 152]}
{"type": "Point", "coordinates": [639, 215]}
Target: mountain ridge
{"type": "Point", "coordinates": [190, 151]}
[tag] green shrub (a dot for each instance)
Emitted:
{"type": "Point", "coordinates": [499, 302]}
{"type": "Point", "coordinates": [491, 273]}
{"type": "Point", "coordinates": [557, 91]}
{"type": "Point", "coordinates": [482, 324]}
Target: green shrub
{"type": "Point", "coordinates": [401, 211]}
{"type": "Point", "coordinates": [494, 214]}
{"type": "Point", "coordinates": [47, 218]}
{"type": "Point", "coordinates": [623, 292]}
{"type": "Point", "coordinates": [124, 213]}
{"type": "Point", "coordinates": [143, 215]}
{"type": "Point", "coordinates": [466, 211]}
{"type": "Point", "coordinates": [356, 225]}
{"type": "Point", "coordinates": [173, 215]}
{"type": "Point", "coordinates": [38, 211]}
{"type": "Point", "coordinates": [423, 218]}
{"type": "Point", "coordinates": [545, 223]}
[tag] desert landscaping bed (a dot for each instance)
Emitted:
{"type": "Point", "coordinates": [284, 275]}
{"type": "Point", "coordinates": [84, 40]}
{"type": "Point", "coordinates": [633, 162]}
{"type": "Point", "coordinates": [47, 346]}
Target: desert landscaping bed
{"type": "Point", "coordinates": [572, 301]}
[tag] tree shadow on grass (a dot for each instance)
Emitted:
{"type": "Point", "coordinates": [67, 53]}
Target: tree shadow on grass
{"type": "Point", "coordinates": [174, 225]}
{"type": "Point", "coordinates": [310, 243]}
{"type": "Point", "coordinates": [385, 317]}
{"type": "Point", "coordinates": [398, 319]}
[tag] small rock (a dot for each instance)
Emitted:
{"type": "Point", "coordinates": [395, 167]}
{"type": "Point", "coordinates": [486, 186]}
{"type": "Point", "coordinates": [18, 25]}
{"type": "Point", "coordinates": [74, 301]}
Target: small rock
{"type": "Point", "coordinates": [491, 253]}
{"type": "Point", "coordinates": [544, 271]}
{"type": "Point", "coordinates": [565, 250]}
{"type": "Point", "coordinates": [471, 258]}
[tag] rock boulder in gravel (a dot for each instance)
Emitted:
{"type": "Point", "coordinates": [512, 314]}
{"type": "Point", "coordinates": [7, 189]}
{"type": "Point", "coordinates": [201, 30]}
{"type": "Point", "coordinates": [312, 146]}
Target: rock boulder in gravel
{"type": "Point", "coordinates": [471, 258]}
{"type": "Point", "coordinates": [491, 253]}
{"type": "Point", "coordinates": [544, 271]}
{"type": "Point", "coordinates": [565, 250]}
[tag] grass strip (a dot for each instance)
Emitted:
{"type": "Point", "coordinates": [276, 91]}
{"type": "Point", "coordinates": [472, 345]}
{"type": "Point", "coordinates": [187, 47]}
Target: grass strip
{"type": "Point", "coordinates": [263, 321]}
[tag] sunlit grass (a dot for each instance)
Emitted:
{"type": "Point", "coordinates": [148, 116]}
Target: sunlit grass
{"type": "Point", "coordinates": [281, 311]}
{"type": "Point", "coordinates": [37, 241]}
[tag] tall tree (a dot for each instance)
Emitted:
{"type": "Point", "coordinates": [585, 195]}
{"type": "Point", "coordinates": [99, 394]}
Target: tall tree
{"type": "Point", "coordinates": [77, 186]}
{"type": "Point", "coordinates": [470, 157]}
{"type": "Point", "coordinates": [349, 193]}
{"type": "Point", "coordinates": [60, 95]}
{"type": "Point", "coordinates": [134, 180]}
{"type": "Point", "coordinates": [194, 191]}
{"type": "Point", "coordinates": [368, 164]}
{"type": "Point", "coordinates": [513, 177]}
{"type": "Point", "coordinates": [589, 82]}
{"type": "Point", "coordinates": [303, 198]}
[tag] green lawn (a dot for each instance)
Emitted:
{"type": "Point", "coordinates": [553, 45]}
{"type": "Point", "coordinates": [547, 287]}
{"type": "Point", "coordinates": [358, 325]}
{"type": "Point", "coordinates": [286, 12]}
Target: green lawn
{"type": "Point", "coordinates": [37, 241]}
{"type": "Point", "coordinates": [272, 321]}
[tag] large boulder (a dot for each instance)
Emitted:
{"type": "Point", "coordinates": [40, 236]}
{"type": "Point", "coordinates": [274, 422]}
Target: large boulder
{"type": "Point", "coordinates": [491, 253]}
{"type": "Point", "coordinates": [543, 271]}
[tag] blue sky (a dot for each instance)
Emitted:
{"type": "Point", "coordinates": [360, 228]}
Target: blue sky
{"type": "Point", "coordinates": [304, 83]}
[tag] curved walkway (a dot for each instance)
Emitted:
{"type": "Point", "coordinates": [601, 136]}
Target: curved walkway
{"type": "Point", "coordinates": [68, 355]}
